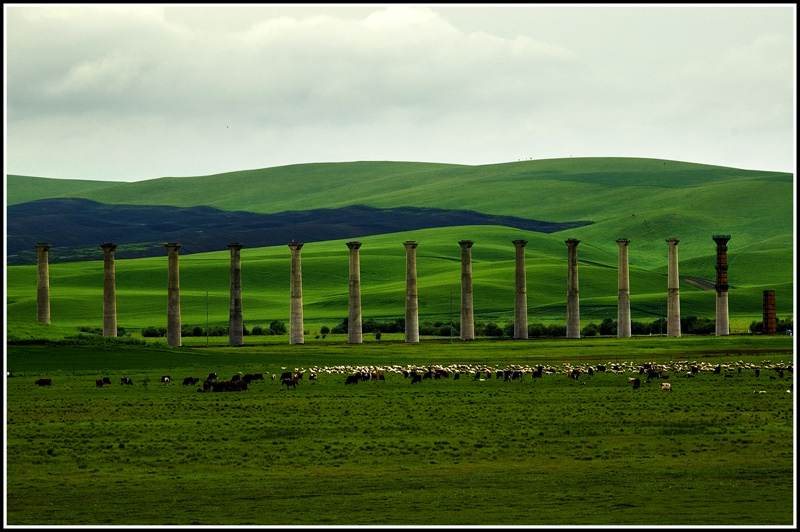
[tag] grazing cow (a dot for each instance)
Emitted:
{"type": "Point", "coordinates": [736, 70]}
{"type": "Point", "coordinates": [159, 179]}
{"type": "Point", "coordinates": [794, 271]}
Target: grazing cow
{"type": "Point", "coordinates": [212, 377]}
{"type": "Point", "coordinates": [98, 383]}
{"type": "Point", "coordinates": [190, 381]}
{"type": "Point", "coordinates": [477, 375]}
{"type": "Point", "coordinates": [106, 380]}
{"type": "Point", "coordinates": [576, 373]}
{"type": "Point", "coordinates": [286, 375]}
{"type": "Point", "coordinates": [351, 379]}
{"type": "Point", "coordinates": [758, 372]}
{"type": "Point", "coordinates": [667, 387]}
{"type": "Point", "coordinates": [695, 369]}
{"type": "Point", "coordinates": [165, 379]}
{"type": "Point", "coordinates": [601, 368]}
{"type": "Point", "coordinates": [591, 371]}
{"type": "Point", "coordinates": [229, 386]}
{"type": "Point", "coordinates": [313, 377]}
{"type": "Point", "coordinates": [290, 382]}
{"type": "Point", "coordinates": [426, 375]}
{"type": "Point", "coordinates": [44, 382]}
{"type": "Point", "coordinates": [236, 377]}
{"type": "Point", "coordinates": [416, 378]}
{"type": "Point", "coordinates": [637, 383]}
{"type": "Point", "coordinates": [126, 380]}
{"type": "Point", "coordinates": [456, 376]}
{"type": "Point", "coordinates": [717, 369]}
{"type": "Point", "coordinates": [273, 376]}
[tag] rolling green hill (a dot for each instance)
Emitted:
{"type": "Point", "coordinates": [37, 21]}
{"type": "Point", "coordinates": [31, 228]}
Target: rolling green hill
{"type": "Point", "coordinates": [645, 200]}
{"type": "Point", "coordinates": [21, 189]}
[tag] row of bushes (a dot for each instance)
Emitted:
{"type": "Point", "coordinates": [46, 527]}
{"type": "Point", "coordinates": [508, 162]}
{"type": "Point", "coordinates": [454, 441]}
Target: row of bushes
{"type": "Point", "coordinates": [275, 327]}
{"type": "Point", "coordinates": [608, 327]}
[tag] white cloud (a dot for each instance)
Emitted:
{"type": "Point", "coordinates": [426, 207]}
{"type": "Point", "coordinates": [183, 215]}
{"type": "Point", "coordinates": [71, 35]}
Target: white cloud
{"type": "Point", "coordinates": [210, 89]}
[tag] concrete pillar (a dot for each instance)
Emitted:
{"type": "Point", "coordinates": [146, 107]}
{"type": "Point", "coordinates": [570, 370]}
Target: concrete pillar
{"type": "Point", "coordinates": [673, 294]}
{"type": "Point", "coordinates": [173, 296]}
{"type": "Point", "coordinates": [769, 325]}
{"type": "Point", "coordinates": [235, 322]}
{"type": "Point", "coordinates": [412, 315]}
{"type": "Point", "coordinates": [354, 315]}
{"type": "Point", "coordinates": [109, 291]}
{"type": "Point", "coordinates": [467, 312]}
{"type": "Point", "coordinates": [624, 295]}
{"type": "Point", "coordinates": [573, 303]}
{"type": "Point", "coordinates": [722, 325]}
{"type": "Point", "coordinates": [43, 284]}
{"type": "Point", "coordinates": [296, 297]}
{"type": "Point", "coordinates": [520, 293]}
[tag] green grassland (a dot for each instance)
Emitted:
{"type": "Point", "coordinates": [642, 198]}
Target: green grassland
{"type": "Point", "coordinates": [549, 451]}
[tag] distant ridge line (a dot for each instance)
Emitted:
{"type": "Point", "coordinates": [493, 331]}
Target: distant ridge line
{"type": "Point", "coordinates": [76, 227]}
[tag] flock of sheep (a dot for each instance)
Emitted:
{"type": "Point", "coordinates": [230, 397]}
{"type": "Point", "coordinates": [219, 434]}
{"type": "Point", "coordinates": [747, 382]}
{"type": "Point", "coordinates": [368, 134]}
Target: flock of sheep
{"type": "Point", "coordinates": [648, 371]}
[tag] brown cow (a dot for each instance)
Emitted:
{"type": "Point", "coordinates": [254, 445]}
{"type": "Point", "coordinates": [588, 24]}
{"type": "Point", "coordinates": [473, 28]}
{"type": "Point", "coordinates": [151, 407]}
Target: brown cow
{"type": "Point", "coordinates": [44, 382]}
{"type": "Point", "coordinates": [98, 383]}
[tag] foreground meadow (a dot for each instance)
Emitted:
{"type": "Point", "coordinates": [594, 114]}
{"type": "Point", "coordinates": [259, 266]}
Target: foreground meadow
{"type": "Point", "coordinates": [718, 450]}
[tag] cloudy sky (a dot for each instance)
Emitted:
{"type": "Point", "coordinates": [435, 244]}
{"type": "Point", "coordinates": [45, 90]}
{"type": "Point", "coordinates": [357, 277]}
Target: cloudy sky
{"type": "Point", "coordinates": [131, 92]}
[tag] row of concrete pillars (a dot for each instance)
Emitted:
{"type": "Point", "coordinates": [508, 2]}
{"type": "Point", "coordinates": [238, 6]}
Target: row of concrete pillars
{"type": "Point", "coordinates": [236, 324]}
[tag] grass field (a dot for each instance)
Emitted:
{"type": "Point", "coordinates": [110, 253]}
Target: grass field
{"type": "Point", "coordinates": [549, 451]}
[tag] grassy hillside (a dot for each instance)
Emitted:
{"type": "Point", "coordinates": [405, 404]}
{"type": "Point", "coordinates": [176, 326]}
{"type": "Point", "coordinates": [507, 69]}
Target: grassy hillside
{"type": "Point", "coordinates": [76, 288]}
{"type": "Point", "coordinates": [646, 200]}
{"type": "Point", "coordinates": [20, 188]}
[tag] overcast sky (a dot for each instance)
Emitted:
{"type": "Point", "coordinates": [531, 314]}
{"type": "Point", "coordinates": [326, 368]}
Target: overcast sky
{"type": "Point", "coordinates": [132, 92]}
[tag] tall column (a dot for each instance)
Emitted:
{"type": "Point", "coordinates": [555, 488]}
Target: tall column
{"type": "Point", "coordinates": [296, 297]}
{"type": "Point", "coordinates": [722, 325]}
{"type": "Point", "coordinates": [520, 293]}
{"type": "Point", "coordinates": [412, 316]}
{"type": "Point", "coordinates": [573, 304]}
{"type": "Point", "coordinates": [467, 313]}
{"type": "Point", "coordinates": [624, 295]}
{"type": "Point", "coordinates": [769, 325]}
{"type": "Point", "coordinates": [235, 322]}
{"type": "Point", "coordinates": [673, 295]}
{"type": "Point", "coordinates": [109, 291]}
{"type": "Point", "coordinates": [173, 296]}
{"type": "Point", "coordinates": [354, 315]}
{"type": "Point", "coordinates": [43, 284]}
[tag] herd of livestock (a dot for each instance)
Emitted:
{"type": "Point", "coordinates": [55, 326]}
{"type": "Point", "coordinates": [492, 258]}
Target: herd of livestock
{"type": "Point", "coordinates": [417, 374]}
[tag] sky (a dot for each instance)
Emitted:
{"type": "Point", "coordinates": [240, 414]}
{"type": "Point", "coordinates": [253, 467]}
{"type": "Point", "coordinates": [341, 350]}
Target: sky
{"type": "Point", "coordinates": [128, 92]}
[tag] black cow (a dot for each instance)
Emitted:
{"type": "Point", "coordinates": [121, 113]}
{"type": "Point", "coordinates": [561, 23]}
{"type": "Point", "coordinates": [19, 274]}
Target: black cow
{"type": "Point", "coordinates": [98, 383]}
{"type": "Point", "coordinates": [717, 369]}
{"type": "Point", "coordinates": [106, 380]}
{"type": "Point", "coordinates": [637, 383]}
{"type": "Point", "coordinates": [351, 379]}
{"type": "Point", "coordinates": [758, 372]}
{"type": "Point", "coordinates": [190, 381]}
{"type": "Point", "coordinates": [576, 374]}
{"type": "Point", "coordinates": [44, 382]}
{"type": "Point", "coordinates": [286, 375]}
{"type": "Point", "coordinates": [416, 378]}
{"type": "Point", "coordinates": [212, 377]}
{"type": "Point", "coordinates": [125, 380]}
{"type": "Point", "coordinates": [236, 377]}
{"type": "Point", "coordinates": [290, 382]}
{"type": "Point", "coordinates": [165, 379]}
